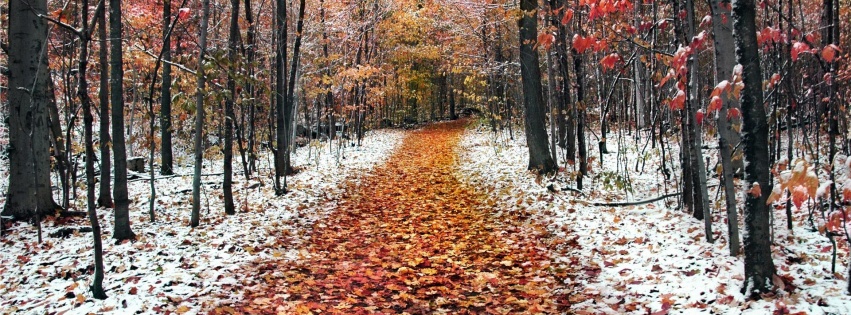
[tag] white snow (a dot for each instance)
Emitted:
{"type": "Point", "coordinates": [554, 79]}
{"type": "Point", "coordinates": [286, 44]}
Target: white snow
{"type": "Point", "coordinates": [636, 258]}
{"type": "Point", "coordinates": [172, 267]}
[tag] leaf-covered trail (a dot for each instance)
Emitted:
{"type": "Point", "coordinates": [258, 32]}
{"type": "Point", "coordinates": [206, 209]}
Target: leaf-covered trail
{"type": "Point", "coordinates": [411, 238]}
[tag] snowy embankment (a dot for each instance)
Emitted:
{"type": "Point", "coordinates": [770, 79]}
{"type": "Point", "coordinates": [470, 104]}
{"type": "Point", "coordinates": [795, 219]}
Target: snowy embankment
{"type": "Point", "coordinates": [653, 258]}
{"type": "Point", "coordinates": [172, 267]}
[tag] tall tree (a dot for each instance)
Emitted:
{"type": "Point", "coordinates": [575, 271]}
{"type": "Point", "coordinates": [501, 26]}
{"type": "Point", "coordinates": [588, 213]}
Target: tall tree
{"type": "Point", "coordinates": [85, 36]}
{"type": "Point", "coordinates": [536, 136]}
{"type": "Point", "coordinates": [233, 43]}
{"type": "Point", "coordinates": [759, 268]}
{"type": "Point", "coordinates": [199, 117]}
{"type": "Point", "coordinates": [122, 229]}
{"type": "Point", "coordinates": [29, 140]}
{"type": "Point", "coordinates": [722, 33]}
{"type": "Point", "coordinates": [104, 193]}
{"type": "Point", "coordinates": [290, 107]}
{"type": "Point", "coordinates": [167, 163]}
{"type": "Point", "coordinates": [280, 92]}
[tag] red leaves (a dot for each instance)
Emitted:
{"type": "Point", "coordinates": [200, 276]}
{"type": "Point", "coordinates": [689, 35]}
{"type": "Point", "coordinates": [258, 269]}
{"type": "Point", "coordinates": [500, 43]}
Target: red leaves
{"type": "Point", "coordinates": [582, 44]}
{"type": "Point", "coordinates": [798, 48]}
{"type": "Point", "coordinates": [699, 116]}
{"type": "Point", "coordinates": [183, 13]}
{"type": "Point", "coordinates": [568, 15]}
{"type": "Point", "coordinates": [799, 195]}
{"type": "Point", "coordinates": [610, 60]}
{"type": "Point", "coordinates": [546, 40]}
{"type": "Point", "coordinates": [678, 102]}
{"type": "Point", "coordinates": [714, 104]}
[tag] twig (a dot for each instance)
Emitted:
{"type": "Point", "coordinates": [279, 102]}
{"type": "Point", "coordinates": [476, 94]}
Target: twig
{"type": "Point", "coordinates": [633, 203]}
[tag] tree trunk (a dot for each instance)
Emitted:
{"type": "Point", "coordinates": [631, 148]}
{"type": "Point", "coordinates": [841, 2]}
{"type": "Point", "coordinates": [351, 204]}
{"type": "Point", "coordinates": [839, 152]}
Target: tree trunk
{"type": "Point", "coordinates": [86, 102]}
{"type": "Point", "coordinates": [701, 202]}
{"type": "Point", "coordinates": [105, 191]}
{"type": "Point", "coordinates": [759, 267]}
{"type": "Point", "coordinates": [252, 108]}
{"type": "Point", "coordinates": [63, 164]}
{"type": "Point", "coordinates": [728, 138]}
{"type": "Point", "coordinates": [29, 140]}
{"type": "Point", "coordinates": [122, 229]}
{"type": "Point", "coordinates": [167, 163]}
{"type": "Point", "coordinates": [280, 94]}
{"type": "Point", "coordinates": [199, 117]}
{"type": "Point", "coordinates": [233, 43]}
{"type": "Point", "coordinates": [536, 136]}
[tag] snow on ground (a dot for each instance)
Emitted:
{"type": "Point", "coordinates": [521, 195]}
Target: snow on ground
{"type": "Point", "coordinates": [652, 259]}
{"type": "Point", "coordinates": [172, 267]}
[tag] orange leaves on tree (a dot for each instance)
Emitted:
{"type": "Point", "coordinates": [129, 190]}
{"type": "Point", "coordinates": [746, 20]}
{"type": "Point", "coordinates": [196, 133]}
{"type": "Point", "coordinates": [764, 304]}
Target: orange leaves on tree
{"type": "Point", "coordinates": [828, 53]}
{"type": "Point", "coordinates": [610, 60]}
{"type": "Point", "coordinates": [799, 195]}
{"type": "Point", "coordinates": [798, 48]}
{"type": "Point", "coordinates": [546, 40]}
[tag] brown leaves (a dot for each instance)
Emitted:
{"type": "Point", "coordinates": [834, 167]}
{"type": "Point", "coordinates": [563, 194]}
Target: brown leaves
{"type": "Point", "coordinates": [412, 238]}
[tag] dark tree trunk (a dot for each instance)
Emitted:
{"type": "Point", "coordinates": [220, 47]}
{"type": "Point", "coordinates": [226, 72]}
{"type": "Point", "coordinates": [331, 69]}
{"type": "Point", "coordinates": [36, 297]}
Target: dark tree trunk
{"type": "Point", "coordinates": [105, 191]}
{"type": "Point", "coordinates": [252, 108]}
{"type": "Point", "coordinates": [29, 136]}
{"type": "Point", "coordinates": [452, 114]}
{"type": "Point", "coordinates": [280, 94]}
{"type": "Point", "coordinates": [166, 164]}
{"type": "Point", "coordinates": [122, 229]}
{"type": "Point", "coordinates": [536, 136]}
{"type": "Point", "coordinates": [233, 43]}
{"type": "Point", "coordinates": [759, 267]}
{"type": "Point", "coordinates": [195, 219]}
{"type": "Point", "coordinates": [86, 102]}
{"type": "Point", "coordinates": [290, 106]}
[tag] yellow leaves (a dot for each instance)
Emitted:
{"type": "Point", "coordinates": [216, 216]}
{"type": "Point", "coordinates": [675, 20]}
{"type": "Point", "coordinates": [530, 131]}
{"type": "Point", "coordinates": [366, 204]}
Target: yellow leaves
{"type": "Point", "coordinates": [182, 309]}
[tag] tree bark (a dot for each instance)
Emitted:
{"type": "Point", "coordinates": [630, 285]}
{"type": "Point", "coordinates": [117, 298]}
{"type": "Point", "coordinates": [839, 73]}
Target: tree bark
{"type": "Point", "coordinates": [759, 267]}
{"type": "Point", "coordinates": [728, 138]}
{"type": "Point", "coordinates": [29, 139]}
{"type": "Point", "coordinates": [536, 136]}
{"type": "Point", "coordinates": [122, 229]}
{"type": "Point", "coordinates": [233, 43]}
{"type": "Point", "coordinates": [701, 200]}
{"type": "Point", "coordinates": [105, 191]}
{"type": "Point", "coordinates": [167, 164]}
{"type": "Point", "coordinates": [85, 100]}
{"type": "Point", "coordinates": [199, 117]}
{"type": "Point", "coordinates": [280, 93]}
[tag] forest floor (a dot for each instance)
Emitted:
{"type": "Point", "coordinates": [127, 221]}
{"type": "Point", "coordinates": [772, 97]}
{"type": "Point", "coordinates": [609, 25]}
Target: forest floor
{"type": "Point", "coordinates": [445, 219]}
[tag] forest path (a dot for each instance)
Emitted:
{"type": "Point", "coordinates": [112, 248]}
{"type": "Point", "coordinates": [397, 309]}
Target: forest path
{"type": "Point", "coordinates": [412, 238]}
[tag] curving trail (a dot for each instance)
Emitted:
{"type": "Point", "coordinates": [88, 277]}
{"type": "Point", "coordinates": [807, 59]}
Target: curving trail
{"type": "Point", "coordinates": [411, 238]}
